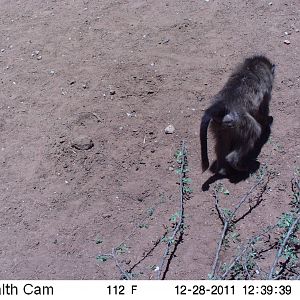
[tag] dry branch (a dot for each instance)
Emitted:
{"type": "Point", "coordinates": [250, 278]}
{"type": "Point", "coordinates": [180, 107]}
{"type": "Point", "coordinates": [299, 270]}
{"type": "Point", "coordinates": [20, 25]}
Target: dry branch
{"type": "Point", "coordinates": [125, 274]}
{"type": "Point", "coordinates": [171, 239]}
{"type": "Point", "coordinates": [227, 221]}
{"type": "Point", "coordinates": [244, 250]}
{"type": "Point", "coordinates": [280, 250]}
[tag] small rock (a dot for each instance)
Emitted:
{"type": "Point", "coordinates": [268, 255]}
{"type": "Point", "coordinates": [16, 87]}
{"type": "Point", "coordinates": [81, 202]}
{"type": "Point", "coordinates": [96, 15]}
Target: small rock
{"type": "Point", "coordinates": [112, 92]}
{"type": "Point", "coordinates": [287, 42]}
{"type": "Point", "coordinates": [169, 129]}
{"type": "Point", "coordinates": [297, 30]}
{"type": "Point", "coordinates": [83, 143]}
{"type": "Point", "coordinates": [171, 169]}
{"type": "Point", "coordinates": [270, 3]}
{"type": "Point", "coordinates": [131, 114]}
{"type": "Point", "coordinates": [164, 41]}
{"type": "Point", "coordinates": [39, 57]}
{"type": "Point", "coordinates": [106, 216]}
{"type": "Point", "coordinates": [2, 50]}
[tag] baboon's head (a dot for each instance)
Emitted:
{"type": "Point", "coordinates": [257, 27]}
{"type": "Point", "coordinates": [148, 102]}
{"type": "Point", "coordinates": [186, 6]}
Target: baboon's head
{"type": "Point", "coordinates": [262, 67]}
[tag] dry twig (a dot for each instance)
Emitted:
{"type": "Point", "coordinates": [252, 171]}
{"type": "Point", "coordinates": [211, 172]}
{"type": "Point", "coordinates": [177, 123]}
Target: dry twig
{"type": "Point", "coordinates": [244, 250]}
{"type": "Point", "coordinates": [280, 250]}
{"type": "Point", "coordinates": [180, 222]}
{"type": "Point", "coordinates": [125, 274]}
{"type": "Point", "coordinates": [227, 222]}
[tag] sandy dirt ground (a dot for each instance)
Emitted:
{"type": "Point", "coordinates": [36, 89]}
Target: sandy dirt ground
{"type": "Point", "coordinates": [110, 76]}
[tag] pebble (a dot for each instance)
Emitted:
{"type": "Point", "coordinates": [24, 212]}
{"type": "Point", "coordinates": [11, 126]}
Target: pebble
{"type": "Point", "coordinates": [169, 129]}
{"type": "Point", "coordinates": [164, 41]}
{"type": "Point", "coordinates": [83, 143]}
{"type": "Point", "coordinates": [287, 42]}
{"type": "Point", "coordinates": [106, 216]}
{"type": "Point", "coordinates": [131, 114]}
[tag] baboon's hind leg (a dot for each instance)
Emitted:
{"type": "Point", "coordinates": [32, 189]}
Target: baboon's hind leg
{"type": "Point", "coordinates": [239, 159]}
{"type": "Point", "coordinates": [234, 159]}
{"type": "Point", "coordinates": [223, 147]}
{"type": "Point", "coordinates": [252, 130]}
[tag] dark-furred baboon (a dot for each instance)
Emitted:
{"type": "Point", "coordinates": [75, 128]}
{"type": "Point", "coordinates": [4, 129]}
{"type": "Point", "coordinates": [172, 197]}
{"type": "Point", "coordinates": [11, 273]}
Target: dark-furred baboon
{"type": "Point", "coordinates": [238, 115]}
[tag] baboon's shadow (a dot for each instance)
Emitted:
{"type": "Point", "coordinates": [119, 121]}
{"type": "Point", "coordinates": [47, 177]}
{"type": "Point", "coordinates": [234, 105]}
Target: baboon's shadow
{"type": "Point", "coordinates": [251, 159]}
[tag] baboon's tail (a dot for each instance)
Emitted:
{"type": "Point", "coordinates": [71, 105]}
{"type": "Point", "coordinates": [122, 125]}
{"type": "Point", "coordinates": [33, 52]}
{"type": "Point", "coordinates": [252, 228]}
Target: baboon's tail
{"type": "Point", "coordinates": [203, 140]}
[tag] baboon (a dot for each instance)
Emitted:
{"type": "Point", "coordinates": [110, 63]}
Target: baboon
{"type": "Point", "coordinates": [238, 115]}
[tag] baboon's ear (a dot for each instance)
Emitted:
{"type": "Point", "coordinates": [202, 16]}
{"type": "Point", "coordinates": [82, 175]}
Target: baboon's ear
{"type": "Point", "coordinates": [273, 69]}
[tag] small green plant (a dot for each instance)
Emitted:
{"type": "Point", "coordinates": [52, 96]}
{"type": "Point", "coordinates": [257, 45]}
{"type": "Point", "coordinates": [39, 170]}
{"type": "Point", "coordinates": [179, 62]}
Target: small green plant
{"type": "Point", "coordinates": [289, 240]}
{"type": "Point", "coordinates": [150, 211]}
{"type": "Point", "coordinates": [99, 241]}
{"type": "Point", "coordinates": [220, 188]}
{"type": "Point", "coordinates": [174, 217]}
{"type": "Point", "coordinates": [235, 237]}
{"type": "Point", "coordinates": [178, 156]}
{"type": "Point", "coordinates": [227, 213]}
{"type": "Point", "coordinates": [286, 220]}
{"type": "Point", "coordinates": [152, 267]}
{"type": "Point", "coordinates": [122, 249]}
{"type": "Point", "coordinates": [102, 258]}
